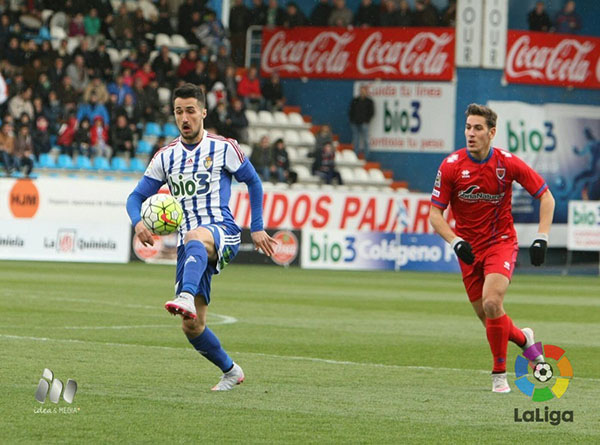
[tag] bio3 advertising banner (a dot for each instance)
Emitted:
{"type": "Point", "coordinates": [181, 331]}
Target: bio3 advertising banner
{"type": "Point", "coordinates": [358, 53]}
{"type": "Point", "coordinates": [584, 225]}
{"type": "Point", "coordinates": [407, 116]}
{"type": "Point", "coordinates": [349, 250]}
{"type": "Point", "coordinates": [561, 142]}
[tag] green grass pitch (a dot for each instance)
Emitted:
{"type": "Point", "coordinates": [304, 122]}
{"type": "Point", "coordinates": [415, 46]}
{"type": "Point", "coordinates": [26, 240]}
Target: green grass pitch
{"type": "Point", "coordinates": [329, 357]}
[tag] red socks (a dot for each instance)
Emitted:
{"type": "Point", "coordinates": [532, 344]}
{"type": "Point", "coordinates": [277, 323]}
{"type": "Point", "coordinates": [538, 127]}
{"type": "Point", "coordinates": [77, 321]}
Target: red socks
{"type": "Point", "coordinates": [499, 331]}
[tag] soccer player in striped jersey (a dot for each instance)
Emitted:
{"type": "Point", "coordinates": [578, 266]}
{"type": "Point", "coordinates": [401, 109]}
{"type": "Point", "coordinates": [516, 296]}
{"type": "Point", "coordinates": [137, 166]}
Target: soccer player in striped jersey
{"type": "Point", "coordinates": [198, 168]}
{"type": "Point", "coordinates": [477, 183]}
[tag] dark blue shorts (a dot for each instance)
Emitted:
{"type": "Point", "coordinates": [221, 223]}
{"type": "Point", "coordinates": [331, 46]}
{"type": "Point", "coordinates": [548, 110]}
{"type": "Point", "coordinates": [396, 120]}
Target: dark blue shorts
{"type": "Point", "coordinates": [227, 243]}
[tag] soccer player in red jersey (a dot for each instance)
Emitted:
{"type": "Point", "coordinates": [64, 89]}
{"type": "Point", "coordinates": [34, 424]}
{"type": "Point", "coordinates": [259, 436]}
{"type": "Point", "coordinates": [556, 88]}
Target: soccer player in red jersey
{"type": "Point", "coordinates": [476, 182]}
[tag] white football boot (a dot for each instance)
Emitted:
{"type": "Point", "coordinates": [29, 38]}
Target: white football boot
{"type": "Point", "coordinates": [529, 341]}
{"type": "Point", "coordinates": [499, 383]}
{"type": "Point", "coordinates": [233, 377]}
{"type": "Point", "coordinates": [182, 305]}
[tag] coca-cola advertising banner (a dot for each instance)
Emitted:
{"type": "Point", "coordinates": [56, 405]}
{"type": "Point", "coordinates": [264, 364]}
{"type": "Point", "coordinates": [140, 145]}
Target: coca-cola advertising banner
{"type": "Point", "coordinates": [553, 59]}
{"type": "Point", "coordinates": [340, 53]}
{"type": "Point", "coordinates": [407, 116]}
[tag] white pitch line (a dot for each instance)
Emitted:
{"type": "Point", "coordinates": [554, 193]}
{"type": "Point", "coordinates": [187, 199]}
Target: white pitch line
{"type": "Point", "coordinates": [274, 356]}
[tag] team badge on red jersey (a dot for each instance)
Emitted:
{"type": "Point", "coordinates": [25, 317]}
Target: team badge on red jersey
{"type": "Point", "coordinates": [500, 172]}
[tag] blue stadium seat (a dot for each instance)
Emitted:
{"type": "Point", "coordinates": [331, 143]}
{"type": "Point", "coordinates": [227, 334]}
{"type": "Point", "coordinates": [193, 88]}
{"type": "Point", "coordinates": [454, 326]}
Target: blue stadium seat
{"type": "Point", "coordinates": [83, 163]}
{"type": "Point", "coordinates": [144, 147]}
{"type": "Point", "coordinates": [152, 129]}
{"type": "Point", "coordinates": [170, 130]}
{"type": "Point", "coordinates": [137, 165]}
{"type": "Point", "coordinates": [101, 163]}
{"type": "Point", "coordinates": [46, 161]}
{"type": "Point", "coordinates": [65, 161]}
{"type": "Point", "coordinates": [119, 164]}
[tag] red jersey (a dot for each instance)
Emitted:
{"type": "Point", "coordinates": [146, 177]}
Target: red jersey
{"type": "Point", "coordinates": [480, 193]}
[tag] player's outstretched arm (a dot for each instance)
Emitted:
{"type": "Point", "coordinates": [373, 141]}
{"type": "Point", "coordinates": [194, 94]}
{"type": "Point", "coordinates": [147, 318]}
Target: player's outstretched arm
{"type": "Point", "coordinates": [537, 251]}
{"type": "Point", "coordinates": [264, 242]}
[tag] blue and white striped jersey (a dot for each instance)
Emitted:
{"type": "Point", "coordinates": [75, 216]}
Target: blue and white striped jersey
{"type": "Point", "coordinates": [199, 178]}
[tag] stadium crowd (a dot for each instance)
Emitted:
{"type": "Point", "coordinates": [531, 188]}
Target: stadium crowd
{"type": "Point", "coordinates": [85, 79]}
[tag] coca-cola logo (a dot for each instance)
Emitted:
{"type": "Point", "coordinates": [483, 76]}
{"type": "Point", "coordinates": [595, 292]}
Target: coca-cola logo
{"type": "Point", "coordinates": [286, 250]}
{"type": "Point", "coordinates": [358, 53]}
{"type": "Point", "coordinates": [564, 62]}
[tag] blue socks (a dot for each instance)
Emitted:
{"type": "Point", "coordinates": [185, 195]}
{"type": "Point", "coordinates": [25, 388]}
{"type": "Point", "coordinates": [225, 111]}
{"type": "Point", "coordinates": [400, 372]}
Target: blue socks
{"type": "Point", "coordinates": [196, 259]}
{"type": "Point", "coordinates": [209, 346]}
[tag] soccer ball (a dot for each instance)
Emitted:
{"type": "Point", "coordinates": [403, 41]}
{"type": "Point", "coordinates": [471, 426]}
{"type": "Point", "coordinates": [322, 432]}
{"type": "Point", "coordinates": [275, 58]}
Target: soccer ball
{"type": "Point", "coordinates": [162, 214]}
{"type": "Point", "coordinates": [542, 372]}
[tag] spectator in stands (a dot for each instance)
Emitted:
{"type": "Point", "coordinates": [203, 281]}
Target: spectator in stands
{"type": "Point", "coordinates": [131, 61]}
{"type": "Point", "coordinates": [393, 15]}
{"type": "Point", "coordinates": [249, 89]}
{"type": "Point", "coordinates": [187, 63]}
{"type": "Point", "coordinates": [99, 140]}
{"type": "Point", "coordinates": [146, 101]}
{"type": "Point", "coordinates": [42, 87]}
{"type": "Point", "coordinates": [258, 13]}
{"type": "Point", "coordinates": [122, 138]}
{"type": "Point", "coordinates": [92, 109]}
{"type": "Point", "coordinates": [185, 19]}
{"type": "Point", "coordinates": [132, 110]}
{"type": "Point", "coordinates": [272, 92]}
{"type": "Point", "coordinates": [66, 135]}
{"type": "Point", "coordinates": [362, 110]}
{"type": "Point", "coordinates": [13, 53]}
{"type": "Point", "coordinates": [54, 111]}
{"type": "Point", "coordinates": [223, 60]}
{"type": "Point", "coordinates": [63, 51]}
{"type": "Point", "coordinates": [163, 67]}
{"type": "Point", "coordinates": [23, 150]}
{"type": "Point", "coordinates": [78, 73]}
{"type": "Point", "coordinates": [238, 122]}
{"type": "Point", "coordinates": [275, 14]}
{"type": "Point", "coordinates": [91, 23]}
{"type": "Point", "coordinates": [324, 136]}
{"type": "Point", "coordinates": [144, 74]}
{"type": "Point", "coordinates": [324, 165]}
{"type": "Point", "coordinates": [57, 71]}
{"type": "Point", "coordinates": [367, 14]}
{"type": "Point", "coordinates": [47, 55]}
{"type": "Point", "coordinates": [21, 103]}
{"type": "Point", "coordinates": [39, 109]}
{"type": "Point", "coordinates": [212, 33]}
{"type": "Point", "coordinates": [5, 29]}
{"type": "Point", "coordinates": [567, 20]}
{"type": "Point", "coordinates": [217, 94]}
{"type": "Point", "coordinates": [41, 137]}
{"type": "Point", "coordinates": [76, 26]}
{"type": "Point", "coordinates": [217, 118]}
{"type": "Point", "coordinates": [82, 140]}
{"type": "Point", "coordinates": [262, 158]}
{"type": "Point", "coordinates": [119, 88]}
{"type": "Point", "coordinates": [448, 16]}
{"type": "Point", "coordinates": [97, 88]}
{"type": "Point", "coordinates": [230, 81]}
{"type": "Point", "coordinates": [281, 163]}
{"type": "Point", "coordinates": [7, 147]}
{"type": "Point", "coordinates": [340, 14]}
{"type": "Point", "coordinates": [294, 17]}
{"type": "Point", "coordinates": [538, 18]}
{"type": "Point", "coordinates": [31, 71]}
{"type": "Point", "coordinates": [198, 76]}
{"type": "Point", "coordinates": [319, 15]}
{"type": "Point", "coordinates": [239, 20]}
{"type": "Point", "coordinates": [68, 96]}
{"type": "Point", "coordinates": [426, 14]}
{"type": "Point", "coordinates": [122, 21]}
{"type": "Point", "coordinates": [163, 23]}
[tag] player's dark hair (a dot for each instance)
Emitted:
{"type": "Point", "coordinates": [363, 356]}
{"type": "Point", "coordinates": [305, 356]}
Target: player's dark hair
{"type": "Point", "coordinates": [481, 110]}
{"type": "Point", "coordinates": [190, 90]}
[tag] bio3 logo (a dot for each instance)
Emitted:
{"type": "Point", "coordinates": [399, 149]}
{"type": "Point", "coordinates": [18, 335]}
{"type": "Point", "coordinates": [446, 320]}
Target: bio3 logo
{"type": "Point", "coordinates": [586, 216]}
{"type": "Point", "coordinates": [524, 140]}
{"type": "Point", "coordinates": [53, 388]}
{"type": "Point", "coordinates": [197, 184]}
{"type": "Point", "coordinates": [552, 376]}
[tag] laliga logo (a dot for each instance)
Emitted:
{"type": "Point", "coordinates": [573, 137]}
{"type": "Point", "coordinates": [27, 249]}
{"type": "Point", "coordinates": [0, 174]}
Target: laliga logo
{"type": "Point", "coordinates": [543, 373]}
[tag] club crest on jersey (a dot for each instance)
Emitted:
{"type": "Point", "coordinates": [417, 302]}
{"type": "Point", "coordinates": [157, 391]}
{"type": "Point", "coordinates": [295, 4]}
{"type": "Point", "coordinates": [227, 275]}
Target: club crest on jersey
{"type": "Point", "coordinates": [208, 162]}
{"type": "Point", "coordinates": [500, 172]}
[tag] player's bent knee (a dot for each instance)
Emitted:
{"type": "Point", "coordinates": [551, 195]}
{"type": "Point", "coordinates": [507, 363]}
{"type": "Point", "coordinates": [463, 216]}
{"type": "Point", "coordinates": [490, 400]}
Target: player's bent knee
{"type": "Point", "coordinates": [492, 307]}
{"type": "Point", "coordinates": [192, 327]}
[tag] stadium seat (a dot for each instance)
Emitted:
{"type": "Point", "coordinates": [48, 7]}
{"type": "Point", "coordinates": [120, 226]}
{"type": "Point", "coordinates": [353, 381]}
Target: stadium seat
{"type": "Point", "coordinates": [280, 118]}
{"type": "Point", "coordinates": [291, 137]}
{"type": "Point", "coordinates": [170, 130]}
{"type": "Point", "coordinates": [123, 54]}
{"type": "Point", "coordinates": [303, 152]}
{"type": "Point", "coordinates": [137, 165]}
{"type": "Point", "coordinates": [65, 161]}
{"type": "Point", "coordinates": [153, 55]}
{"type": "Point", "coordinates": [292, 154]}
{"type": "Point", "coordinates": [307, 138]}
{"type": "Point", "coordinates": [361, 175]}
{"type": "Point", "coordinates": [113, 54]}
{"type": "Point", "coordinates": [162, 39]}
{"type": "Point", "coordinates": [119, 164]}
{"type": "Point", "coordinates": [46, 14]}
{"type": "Point", "coordinates": [72, 44]}
{"type": "Point", "coordinates": [58, 33]}
{"type": "Point", "coordinates": [276, 134]}
{"type": "Point", "coordinates": [251, 116]}
{"type": "Point", "coordinates": [350, 158]}
{"type": "Point", "coordinates": [152, 129]}
{"type": "Point", "coordinates": [83, 163]}
{"type": "Point", "coordinates": [246, 149]}
{"type": "Point", "coordinates": [178, 41]}
{"type": "Point", "coordinates": [143, 147]}
{"type": "Point", "coordinates": [59, 20]}
{"type": "Point", "coordinates": [164, 95]}
{"type": "Point", "coordinates": [101, 163]}
{"type": "Point", "coordinates": [347, 174]}
{"type": "Point", "coordinates": [148, 9]}
{"type": "Point", "coordinates": [46, 161]}
{"type": "Point", "coordinates": [376, 175]}
{"type": "Point", "coordinates": [175, 59]}
{"type": "Point", "coordinates": [296, 120]}
{"type": "Point", "coordinates": [265, 118]}
{"type": "Point", "coordinates": [303, 173]}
